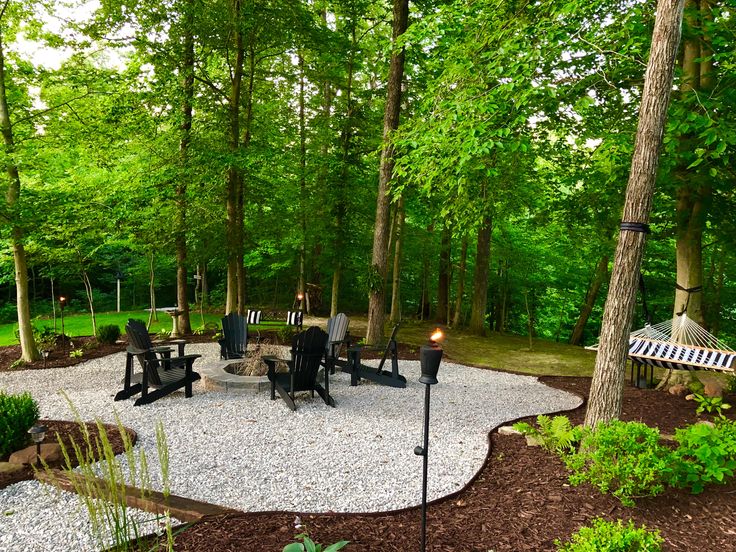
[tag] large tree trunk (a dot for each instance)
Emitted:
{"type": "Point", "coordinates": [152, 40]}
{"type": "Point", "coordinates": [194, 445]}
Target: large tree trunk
{"type": "Point", "coordinates": [234, 177]}
{"type": "Point", "coordinates": [457, 317]}
{"type": "Point", "coordinates": [301, 284]}
{"type": "Point", "coordinates": [601, 272]}
{"type": "Point", "coordinates": [606, 390]}
{"type": "Point", "coordinates": [29, 351]}
{"type": "Point", "coordinates": [443, 284]}
{"type": "Point", "coordinates": [480, 278]}
{"type": "Point", "coordinates": [379, 259]}
{"type": "Point", "coordinates": [340, 203]}
{"type": "Point", "coordinates": [396, 278]}
{"type": "Point", "coordinates": [692, 194]}
{"type": "Point", "coordinates": [187, 85]}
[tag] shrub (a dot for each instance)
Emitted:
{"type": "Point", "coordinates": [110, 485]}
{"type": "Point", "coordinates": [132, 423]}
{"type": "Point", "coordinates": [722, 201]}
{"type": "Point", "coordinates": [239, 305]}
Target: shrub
{"type": "Point", "coordinates": [607, 536]}
{"type": "Point", "coordinates": [623, 458]}
{"type": "Point", "coordinates": [705, 454]}
{"type": "Point", "coordinates": [108, 333]}
{"type": "Point", "coordinates": [711, 405]}
{"type": "Point", "coordinates": [554, 434]}
{"type": "Point", "coordinates": [18, 413]}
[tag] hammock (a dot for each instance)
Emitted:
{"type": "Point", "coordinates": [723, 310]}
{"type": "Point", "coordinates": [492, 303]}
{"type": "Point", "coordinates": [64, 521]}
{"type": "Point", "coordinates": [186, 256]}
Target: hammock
{"type": "Point", "coordinates": [677, 344]}
{"type": "Point", "coordinates": [680, 344]}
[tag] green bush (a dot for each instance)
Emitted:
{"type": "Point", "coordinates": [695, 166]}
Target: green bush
{"type": "Point", "coordinates": [705, 454]}
{"type": "Point", "coordinates": [607, 536]}
{"type": "Point", "coordinates": [108, 333]}
{"type": "Point", "coordinates": [621, 458]}
{"type": "Point", "coordinates": [554, 434]}
{"type": "Point", "coordinates": [18, 413]}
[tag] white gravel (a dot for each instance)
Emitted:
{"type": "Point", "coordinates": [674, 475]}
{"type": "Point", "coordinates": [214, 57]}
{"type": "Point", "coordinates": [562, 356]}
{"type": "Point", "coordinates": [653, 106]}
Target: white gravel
{"type": "Point", "coordinates": [244, 451]}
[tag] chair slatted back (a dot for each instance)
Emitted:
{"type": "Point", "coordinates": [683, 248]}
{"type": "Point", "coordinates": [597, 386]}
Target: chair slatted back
{"type": "Point", "coordinates": [235, 333]}
{"type": "Point", "coordinates": [138, 337]}
{"type": "Point", "coordinates": [254, 316]}
{"type": "Point", "coordinates": [337, 328]}
{"type": "Point", "coordinates": [294, 318]}
{"type": "Point", "coordinates": [307, 350]}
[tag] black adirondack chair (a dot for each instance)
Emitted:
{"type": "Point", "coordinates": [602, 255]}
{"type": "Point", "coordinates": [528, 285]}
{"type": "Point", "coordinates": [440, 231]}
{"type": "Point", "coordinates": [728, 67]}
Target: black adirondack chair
{"type": "Point", "coordinates": [307, 350]}
{"type": "Point", "coordinates": [379, 375]}
{"type": "Point", "coordinates": [337, 336]}
{"type": "Point", "coordinates": [160, 370]}
{"type": "Point", "coordinates": [234, 340]}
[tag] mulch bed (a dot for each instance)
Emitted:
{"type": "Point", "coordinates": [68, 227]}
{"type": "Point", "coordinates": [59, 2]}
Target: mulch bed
{"type": "Point", "coordinates": [520, 500]}
{"type": "Point", "coordinates": [68, 431]}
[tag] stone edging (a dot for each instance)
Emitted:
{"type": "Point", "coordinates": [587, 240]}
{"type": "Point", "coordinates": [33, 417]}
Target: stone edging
{"type": "Point", "coordinates": [215, 378]}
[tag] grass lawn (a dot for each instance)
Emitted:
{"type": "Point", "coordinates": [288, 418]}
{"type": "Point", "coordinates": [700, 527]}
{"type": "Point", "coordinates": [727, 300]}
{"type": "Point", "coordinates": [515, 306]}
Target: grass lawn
{"type": "Point", "coordinates": [81, 324]}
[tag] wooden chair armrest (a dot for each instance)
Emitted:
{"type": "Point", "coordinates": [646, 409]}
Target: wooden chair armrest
{"type": "Point", "coordinates": [134, 351]}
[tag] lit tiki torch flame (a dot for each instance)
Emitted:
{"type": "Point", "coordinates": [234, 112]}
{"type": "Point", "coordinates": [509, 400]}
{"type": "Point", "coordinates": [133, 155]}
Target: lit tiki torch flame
{"type": "Point", "coordinates": [436, 337]}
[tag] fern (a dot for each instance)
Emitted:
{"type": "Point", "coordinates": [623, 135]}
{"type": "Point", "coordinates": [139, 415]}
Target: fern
{"type": "Point", "coordinates": [554, 434]}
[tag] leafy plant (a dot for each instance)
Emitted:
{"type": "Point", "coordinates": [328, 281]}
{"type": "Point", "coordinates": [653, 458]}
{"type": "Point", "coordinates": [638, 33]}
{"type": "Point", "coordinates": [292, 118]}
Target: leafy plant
{"type": "Point", "coordinates": [163, 334]}
{"type": "Point", "coordinates": [45, 338]}
{"type": "Point", "coordinates": [109, 333]}
{"type": "Point", "coordinates": [623, 458]}
{"type": "Point", "coordinates": [607, 536]}
{"type": "Point", "coordinates": [705, 454]}
{"type": "Point", "coordinates": [308, 545]}
{"type": "Point", "coordinates": [101, 484]}
{"type": "Point", "coordinates": [18, 413]}
{"type": "Point", "coordinates": [76, 353]}
{"type": "Point", "coordinates": [554, 434]}
{"type": "Point", "coordinates": [710, 405]}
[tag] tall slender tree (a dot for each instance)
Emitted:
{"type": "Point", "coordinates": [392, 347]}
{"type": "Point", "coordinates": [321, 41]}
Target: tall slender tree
{"type": "Point", "coordinates": [606, 390]}
{"type": "Point", "coordinates": [379, 258]}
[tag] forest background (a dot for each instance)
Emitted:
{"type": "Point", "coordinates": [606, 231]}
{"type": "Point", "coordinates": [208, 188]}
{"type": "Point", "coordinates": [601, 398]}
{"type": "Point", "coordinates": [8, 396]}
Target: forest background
{"type": "Point", "coordinates": [228, 152]}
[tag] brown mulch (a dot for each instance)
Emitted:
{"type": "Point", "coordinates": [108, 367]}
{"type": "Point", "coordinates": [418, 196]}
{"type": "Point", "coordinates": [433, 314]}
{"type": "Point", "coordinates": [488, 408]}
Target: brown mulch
{"type": "Point", "coordinates": [520, 500]}
{"type": "Point", "coordinates": [68, 431]}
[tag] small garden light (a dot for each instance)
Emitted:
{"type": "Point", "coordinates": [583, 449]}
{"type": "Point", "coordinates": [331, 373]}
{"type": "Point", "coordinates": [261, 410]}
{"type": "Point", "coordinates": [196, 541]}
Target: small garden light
{"type": "Point", "coordinates": [38, 433]}
{"type": "Point", "coordinates": [45, 354]}
{"type": "Point", "coordinates": [430, 356]}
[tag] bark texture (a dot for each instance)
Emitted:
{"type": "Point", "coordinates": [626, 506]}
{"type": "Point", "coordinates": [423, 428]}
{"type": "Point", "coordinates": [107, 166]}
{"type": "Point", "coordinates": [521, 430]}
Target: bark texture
{"type": "Point", "coordinates": [480, 278]}
{"type": "Point", "coordinates": [379, 258]}
{"type": "Point", "coordinates": [443, 284]}
{"type": "Point", "coordinates": [29, 351]}
{"type": "Point", "coordinates": [187, 84]}
{"type": "Point", "coordinates": [457, 316]}
{"type": "Point", "coordinates": [396, 273]}
{"type": "Point", "coordinates": [606, 390]}
{"type": "Point", "coordinates": [601, 273]}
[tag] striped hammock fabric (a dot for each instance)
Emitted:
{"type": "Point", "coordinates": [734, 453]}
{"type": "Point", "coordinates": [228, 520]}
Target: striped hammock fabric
{"type": "Point", "coordinates": [680, 344]}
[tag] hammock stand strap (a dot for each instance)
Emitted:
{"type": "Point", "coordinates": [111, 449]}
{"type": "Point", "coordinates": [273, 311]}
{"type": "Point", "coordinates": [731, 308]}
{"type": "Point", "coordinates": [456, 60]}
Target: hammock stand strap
{"type": "Point", "coordinates": [695, 289]}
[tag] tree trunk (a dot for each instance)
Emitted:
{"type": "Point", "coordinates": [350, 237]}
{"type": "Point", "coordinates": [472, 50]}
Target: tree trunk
{"type": "Point", "coordinates": [529, 320]}
{"type": "Point", "coordinates": [443, 284]}
{"type": "Point", "coordinates": [90, 300]}
{"type": "Point", "coordinates": [301, 284]}
{"type": "Point", "coordinates": [379, 259]}
{"type": "Point", "coordinates": [29, 351]}
{"type": "Point", "coordinates": [480, 278]}
{"type": "Point", "coordinates": [396, 281]}
{"type": "Point", "coordinates": [601, 272]}
{"type": "Point", "coordinates": [187, 71]}
{"type": "Point", "coordinates": [606, 390]}
{"type": "Point", "coordinates": [691, 215]}
{"type": "Point", "coordinates": [501, 308]}
{"type": "Point", "coordinates": [153, 315]}
{"type": "Point", "coordinates": [234, 177]}
{"type": "Point", "coordinates": [692, 194]}
{"type": "Point", "coordinates": [456, 319]}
